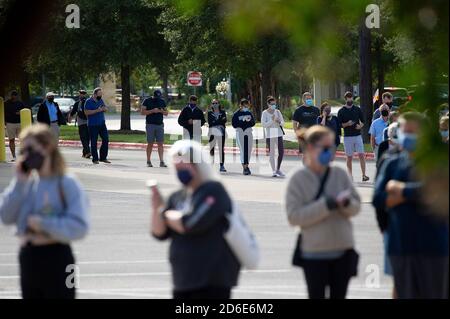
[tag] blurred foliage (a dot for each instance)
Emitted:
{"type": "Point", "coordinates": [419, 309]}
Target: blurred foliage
{"type": "Point", "coordinates": [413, 34]}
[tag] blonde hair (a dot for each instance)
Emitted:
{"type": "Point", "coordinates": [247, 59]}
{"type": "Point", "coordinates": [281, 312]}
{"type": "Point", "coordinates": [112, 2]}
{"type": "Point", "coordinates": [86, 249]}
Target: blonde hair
{"type": "Point", "coordinates": [46, 138]}
{"type": "Point", "coordinates": [312, 135]}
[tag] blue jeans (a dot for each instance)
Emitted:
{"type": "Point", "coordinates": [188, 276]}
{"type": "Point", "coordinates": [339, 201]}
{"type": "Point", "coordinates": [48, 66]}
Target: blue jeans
{"type": "Point", "coordinates": [95, 132]}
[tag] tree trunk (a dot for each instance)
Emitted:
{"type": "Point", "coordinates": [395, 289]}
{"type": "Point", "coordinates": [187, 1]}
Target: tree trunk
{"type": "Point", "coordinates": [25, 88]}
{"type": "Point", "coordinates": [380, 68]}
{"type": "Point", "coordinates": [125, 123]}
{"type": "Point", "coordinates": [365, 78]}
{"type": "Point", "coordinates": [165, 85]}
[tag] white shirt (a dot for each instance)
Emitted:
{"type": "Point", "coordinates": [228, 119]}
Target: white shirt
{"type": "Point", "coordinates": [272, 128]}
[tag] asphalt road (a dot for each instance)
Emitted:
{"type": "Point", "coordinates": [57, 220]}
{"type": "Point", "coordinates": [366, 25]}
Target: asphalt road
{"type": "Point", "coordinates": [119, 259]}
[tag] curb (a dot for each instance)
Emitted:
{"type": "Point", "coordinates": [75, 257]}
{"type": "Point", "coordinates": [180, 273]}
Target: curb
{"type": "Point", "coordinates": [228, 150]}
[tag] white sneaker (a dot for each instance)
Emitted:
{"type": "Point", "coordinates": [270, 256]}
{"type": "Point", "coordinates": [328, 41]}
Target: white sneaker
{"type": "Point", "coordinates": [274, 174]}
{"type": "Point", "coordinates": [280, 174]}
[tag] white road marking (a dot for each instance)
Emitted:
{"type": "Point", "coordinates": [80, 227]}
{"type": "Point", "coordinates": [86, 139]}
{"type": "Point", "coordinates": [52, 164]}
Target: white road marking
{"type": "Point", "coordinates": [105, 262]}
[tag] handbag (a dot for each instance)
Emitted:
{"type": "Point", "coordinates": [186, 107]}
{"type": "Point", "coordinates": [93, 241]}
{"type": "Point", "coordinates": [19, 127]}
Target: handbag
{"type": "Point", "coordinates": [297, 259]}
{"type": "Point", "coordinates": [241, 240]}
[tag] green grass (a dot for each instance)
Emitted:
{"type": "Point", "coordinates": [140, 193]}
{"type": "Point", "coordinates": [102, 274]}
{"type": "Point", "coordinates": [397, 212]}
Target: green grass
{"type": "Point", "coordinates": [287, 125]}
{"type": "Point", "coordinates": [71, 133]}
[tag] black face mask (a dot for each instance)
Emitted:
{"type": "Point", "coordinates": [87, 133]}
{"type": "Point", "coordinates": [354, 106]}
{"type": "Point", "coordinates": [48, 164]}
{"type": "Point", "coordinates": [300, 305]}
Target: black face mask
{"type": "Point", "coordinates": [349, 103]}
{"type": "Point", "coordinates": [34, 160]}
{"type": "Point", "coordinates": [385, 113]}
{"type": "Point", "coordinates": [99, 98]}
{"type": "Point", "coordinates": [50, 100]}
{"type": "Point", "coordinates": [390, 104]}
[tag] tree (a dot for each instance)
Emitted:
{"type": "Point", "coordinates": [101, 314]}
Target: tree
{"type": "Point", "coordinates": [365, 77]}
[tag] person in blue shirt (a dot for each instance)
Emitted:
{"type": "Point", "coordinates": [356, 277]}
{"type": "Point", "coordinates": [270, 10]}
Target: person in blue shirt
{"type": "Point", "coordinates": [50, 210]}
{"type": "Point", "coordinates": [49, 113]}
{"type": "Point", "coordinates": [95, 111]}
{"type": "Point", "coordinates": [387, 99]}
{"type": "Point", "coordinates": [378, 127]}
{"type": "Point", "coordinates": [417, 239]}
{"type": "Point", "coordinates": [243, 121]}
{"type": "Point", "coordinates": [154, 109]}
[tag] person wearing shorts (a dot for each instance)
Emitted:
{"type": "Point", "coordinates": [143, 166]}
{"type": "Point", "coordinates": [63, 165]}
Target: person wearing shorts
{"type": "Point", "coordinates": [12, 119]}
{"type": "Point", "coordinates": [352, 120]}
{"type": "Point", "coordinates": [154, 108]}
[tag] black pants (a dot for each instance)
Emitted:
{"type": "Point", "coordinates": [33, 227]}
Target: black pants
{"type": "Point", "coordinates": [204, 293]}
{"type": "Point", "coordinates": [83, 131]}
{"type": "Point", "coordinates": [329, 273]}
{"type": "Point", "coordinates": [43, 272]}
{"type": "Point", "coordinates": [95, 132]}
{"type": "Point", "coordinates": [220, 140]}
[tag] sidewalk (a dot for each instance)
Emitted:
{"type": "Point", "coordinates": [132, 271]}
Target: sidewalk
{"type": "Point", "coordinates": [228, 150]}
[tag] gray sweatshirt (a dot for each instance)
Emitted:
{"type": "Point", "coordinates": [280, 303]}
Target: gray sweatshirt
{"type": "Point", "coordinates": [42, 197]}
{"type": "Point", "coordinates": [323, 230]}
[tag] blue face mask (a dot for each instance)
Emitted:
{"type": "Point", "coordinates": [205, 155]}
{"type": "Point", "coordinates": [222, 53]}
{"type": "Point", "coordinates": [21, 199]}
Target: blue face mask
{"type": "Point", "coordinates": [408, 141]}
{"type": "Point", "coordinates": [444, 134]}
{"type": "Point", "coordinates": [184, 176]}
{"type": "Point", "coordinates": [325, 157]}
{"type": "Point", "coordinates": [273, 106]}
{"type": "Point", "coordinates": [245, 109]}
{"type": "Point", "coordinates": [309, 102]}
{"type": "Point", "coordinates": [192, 105]}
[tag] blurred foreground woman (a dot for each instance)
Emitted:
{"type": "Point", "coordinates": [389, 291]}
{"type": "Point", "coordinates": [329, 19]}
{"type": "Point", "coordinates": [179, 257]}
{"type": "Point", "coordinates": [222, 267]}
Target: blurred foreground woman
{"type": "Point", "coordinates": [321, 199]}
{"type": "Point", "coordinates": [194, 218]}
{"type": "Point", "coordinates": [50, 210]}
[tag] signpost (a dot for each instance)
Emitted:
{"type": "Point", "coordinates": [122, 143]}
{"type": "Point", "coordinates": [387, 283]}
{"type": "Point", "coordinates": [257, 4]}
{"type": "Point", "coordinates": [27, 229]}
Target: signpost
{"type": "Point", "coordinates": [194, 79]}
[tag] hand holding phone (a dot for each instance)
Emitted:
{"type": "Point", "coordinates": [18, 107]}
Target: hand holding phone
{"type": "Point", "coordinates": [343, 198]}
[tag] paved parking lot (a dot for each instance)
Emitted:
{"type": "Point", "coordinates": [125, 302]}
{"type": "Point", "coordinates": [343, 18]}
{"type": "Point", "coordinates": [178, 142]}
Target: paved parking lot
{"type": "Point", "coordinates": [119, 259]}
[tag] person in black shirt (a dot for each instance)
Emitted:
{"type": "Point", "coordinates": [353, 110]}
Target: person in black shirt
{"type": "Point", "coordinates": [217, 118]}
{"type": "Point", "coordinates": [330, 121]}
{"type": "Point", "coordinates": [154, 108]}
{"type": "Point", "coordinates": [306, 114]}
{"type": "Point", "coordinates": [192, 119]}
{"type": "Point", "coordinates": [83, 130]}
{"type": "Point", "coordinates": [195, 218]}
{"type": "Point", "coordinates": [352, 120]}
{"type": "Point", "coordinates": [12, 119]}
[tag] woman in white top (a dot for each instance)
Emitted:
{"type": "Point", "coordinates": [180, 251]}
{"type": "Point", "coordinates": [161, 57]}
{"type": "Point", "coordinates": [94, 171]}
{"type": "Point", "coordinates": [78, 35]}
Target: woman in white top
{"type": "Point", "coordinates": [272, 121]}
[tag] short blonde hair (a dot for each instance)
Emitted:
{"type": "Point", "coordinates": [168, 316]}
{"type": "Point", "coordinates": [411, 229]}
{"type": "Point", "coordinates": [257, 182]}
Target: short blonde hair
{"type": "Point", "coordinates": [45, 137]}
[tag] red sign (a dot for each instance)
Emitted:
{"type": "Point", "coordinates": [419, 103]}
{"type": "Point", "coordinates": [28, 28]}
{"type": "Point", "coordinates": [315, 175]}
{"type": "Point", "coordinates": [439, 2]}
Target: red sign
{"type": "Point", "coordinates": [194, 78]}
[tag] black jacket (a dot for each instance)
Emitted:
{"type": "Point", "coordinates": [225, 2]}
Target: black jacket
{"type": "Point", "coordinates": [382, 214]}
{"type": "Point", "coordinates": [187, 114]}
{"type": "Point", "coordinates": [79, 111]}
{"type": "Point", "coordinates": [201, 257]}
{"type": "Point", "coordinates": [44, 117]}
{"type": "Point", "coordinates": [214, 121]}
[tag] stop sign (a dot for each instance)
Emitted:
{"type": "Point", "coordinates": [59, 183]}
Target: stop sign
{"type": "Point", "coordinates": [194, 78]}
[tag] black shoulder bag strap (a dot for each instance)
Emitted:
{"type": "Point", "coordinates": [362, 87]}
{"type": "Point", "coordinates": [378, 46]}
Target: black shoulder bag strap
{"type": "Point", "coordinates": [297, 259]}
{"type": "Point", "coordinates": [323, 182]}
